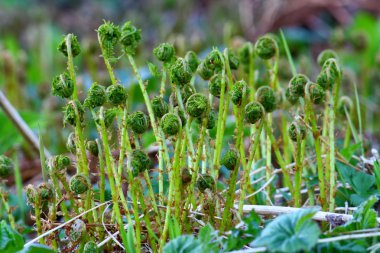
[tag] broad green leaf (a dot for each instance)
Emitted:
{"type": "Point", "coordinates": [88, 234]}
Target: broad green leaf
{"type": "Point", "coordinates": [291, 232]}
{"type": "Point", "coordinates": [241, 237]}
{"type": "Point", "coordinates": [376, 169]}
{"type": "Point", "coordinates": [349, 151]}
{"type": "Point", "coordinates": [361, 183]}
{"type": "Point", "coordinates": [364, 217]}
{"type": "Point", "coordinates": [340, 247]}
{"type": "Point", "coordinates": [209, 238]}
{"type": "Point", "coordinates": [10, 240]}
{"type": "Point", "coordinates": [36, 248]}
{"type": "Point", "coordinates": [184, 244]}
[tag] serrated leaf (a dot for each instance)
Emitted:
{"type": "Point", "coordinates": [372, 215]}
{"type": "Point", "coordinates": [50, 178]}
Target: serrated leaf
{"type": "Point", "coordinates": [365, 214]}
{"type": "Point", "coordinates": [184, 244]}
{"type": "Point", "coordinates": [241, 237]}
{"type": "Point", "coordinates": [361, 183]}
{"type": "Point", "coordinates": [349, 151]}
{"type": "Point", "coordinates": [364, 217]}
{"type": "Point", "coordinates": [153, 69]}
{"type": "Point", "coordinates": [209, 238]}
{"type": "Point", "coordinates": [10, 240]}
{"type": "Point", "coordinates": [291, 232]}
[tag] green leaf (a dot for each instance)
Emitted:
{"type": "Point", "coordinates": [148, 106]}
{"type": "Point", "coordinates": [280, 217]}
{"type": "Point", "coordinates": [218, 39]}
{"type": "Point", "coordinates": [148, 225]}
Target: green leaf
{"type": "Point", "coordinates": [153, 69]}
{"type": "Point", "coordinates": [241, 237]}
{"type": "Point", "coordinates": [349, 151]}
{"type": "Point", "coordinates": [361, 183]}
{"type": "Point", "coordinates": [36, 248]}
{"type": "Point", "coordinates": [376, 169]}
{"type": "Point", "coordinates": [174, 229]}
{"type": "Point", "coordinates": [364, 217]}
{"type": "Point", "coordinates": [184, 244]}
{"type": "Point", "coordinates": [130, 239]}
{"type": "Point", "coordinates": [209, 238]}
{"type": "Point", "coordinates": [10, 240]}
{"type": "Point", "coordinates": [291, 232]}
{"type": "Point", "coordinates": [365, 214]}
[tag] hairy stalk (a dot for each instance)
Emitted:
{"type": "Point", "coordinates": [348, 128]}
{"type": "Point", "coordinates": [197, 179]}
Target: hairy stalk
{"type": "Point", "coordinates": [226, 220]}
{"type": "Point", "coordinates": [268, 155]}
{"type": "Point", "coordinates": [107, 62]}
{"type": "Point", "coordinates": [332, 152]}
{"type": "Point", "coordinates": [280, 160]}
{"type": "Point", "coordinates": [66, 186]}
{"type": "Point", "coordinates": [246, 178]}
{"type": "Point", "coordinates": [4, 199]}
{"type": "Point", "coordinates": [37, 210]}
{"type": "Point", "coordinates": [298, 172]}
{"type": "Point", "coordinates": [163, 84]}
{"type": "Point", "coordinates": [157, 133]}
{"type": "Point", "coordinates": [111, 177]}
{"type": "Point", "coordinates": [223, 102]}
{"type": "Point", "coordinates": [174, 192]}
{"type": "Point", "coordinates": [194, 175]}
{"type": "Point", "coordinates": [81, 150]}
{"type": "Point", "coordinates": [317, 145]}
{"type": "Point", "coordinates": [177, 173]}
{"type": "Point", "coordinates": [149, 184]}
{"type": "Point", "coordinates": [70, 64]}
{"type": "Point", "coordinates": [152, 236]}
{"type": "Point", "coordinates": [60, 196]}
{"type": "Point", "coordinates": [123, 141]}
{"type": "Point", "coordinates": [187, 126]}
{"type": "Point", "coordinates": [134, 191]}
{"type": "Point", "coordinates": [102, 182]}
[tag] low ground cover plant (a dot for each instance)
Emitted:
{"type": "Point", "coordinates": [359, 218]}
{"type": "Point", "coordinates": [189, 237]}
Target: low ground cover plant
{"type": "Point", "coordinates": [200, 187]}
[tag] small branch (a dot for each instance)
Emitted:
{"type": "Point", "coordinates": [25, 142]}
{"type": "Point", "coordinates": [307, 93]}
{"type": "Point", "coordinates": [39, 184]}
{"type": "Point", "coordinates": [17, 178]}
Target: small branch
{"type": "Point", "coordinates": [20, 124]}
{"type": "Point", "coordinates": [277, 210]}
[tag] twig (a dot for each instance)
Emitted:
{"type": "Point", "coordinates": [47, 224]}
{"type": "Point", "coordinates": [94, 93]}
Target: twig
{"type": "Point", "coordinates": [63, 224]}
{"type": "Point", "coordinates": [20, 124]}
{"type": "Point", "coordinates": [277, 210]}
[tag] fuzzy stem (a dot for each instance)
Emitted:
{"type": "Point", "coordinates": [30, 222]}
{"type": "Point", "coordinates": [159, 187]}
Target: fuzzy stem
{"type": "Point", "coordinates": [134, 190]}
{"type": "Point", "coordinates": [317, 146]}
{"type": "Point", "coordinates": [102, 182]}
{"type": "Point", "coordinates": [174, 179]}
{"type": "Point", "coordinates": [194, 175]}
{"type": "Point", "coordinates": [107, 62]}
{"type": "Point", "coordinates": [69, 194]}
{"type": "Point", "coordinates": [81, 149]}
{"type": "Point", "coordinates": [4, 199]}
{"type": "Point", "coordinates": [177, 173]}
{"type": "Point", "coordinates": [245, 178]}
{"type": "Point", "coordinates": [281, 162]}
{"type": "Point", "coordinates": [111, 177]}
{"type": "Point", "coordinates": [60, 196]}
{"type": "Point", "coordinates": [298, 172]}
{"type": "Point", "coordinates": [38, 218]}
{"type": "Point", "coordinates": [332, 153]}
{"type": "Point", "coordinates": [157, 133]}
{"type": "Point", "coordinates": [152, 236]}
{"type": "Point", "coordinates": [226, 220]}
{"type": "Point", "coordinates": [70, 64]}
{"type": "Point", "coordinates": [223, 102]}
{"type": "Point", "coordinates": [268, 155]}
